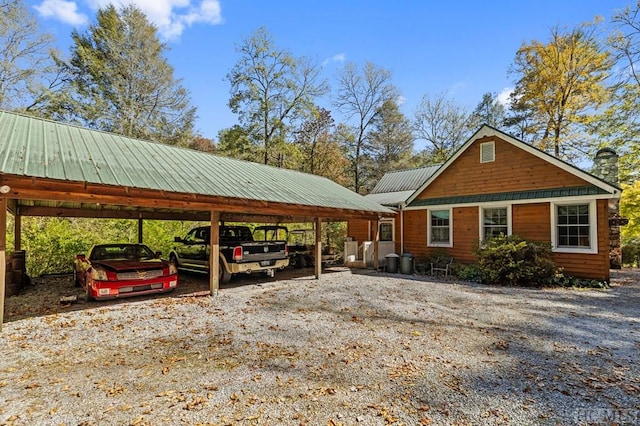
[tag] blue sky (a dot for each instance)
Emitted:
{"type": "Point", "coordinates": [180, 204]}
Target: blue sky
{"type": "Point", "coordinates": [460, 48]}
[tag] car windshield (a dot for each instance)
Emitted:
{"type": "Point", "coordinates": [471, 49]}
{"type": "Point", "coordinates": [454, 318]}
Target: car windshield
{"type": "Point", "coordinates": [121, 252]}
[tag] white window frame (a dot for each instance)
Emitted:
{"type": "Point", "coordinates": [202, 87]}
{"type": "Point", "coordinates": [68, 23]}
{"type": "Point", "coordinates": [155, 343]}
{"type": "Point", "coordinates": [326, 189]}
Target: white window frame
{"type": "Point", "coordinates": [492, 147]}
{"type": "Point", "coordinates": [439, 244]}
{"type": "Point", "coordinates": [392, 222]}
{"type": "Point", "coordinates": [481, 210]}
{"type": "Point", "coordinates": [593, 228]}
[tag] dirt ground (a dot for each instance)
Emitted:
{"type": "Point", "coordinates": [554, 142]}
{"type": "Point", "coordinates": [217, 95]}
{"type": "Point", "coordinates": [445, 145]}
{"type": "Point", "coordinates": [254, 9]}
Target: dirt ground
{"type": "Point", "coordinates": [353, 348]}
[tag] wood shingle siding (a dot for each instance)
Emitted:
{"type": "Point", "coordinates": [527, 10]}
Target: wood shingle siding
{"type": "Point", "coordinates": [358, 229]}
{"type": "Point", "coordinates": [513, 170]}
{"type": "Point", "coordinates": [526, 181]}
{"type": "Point", "coordinates": [532, 221]}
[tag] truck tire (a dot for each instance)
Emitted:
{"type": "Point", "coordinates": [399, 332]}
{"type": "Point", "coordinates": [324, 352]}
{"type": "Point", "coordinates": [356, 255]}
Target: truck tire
{"type": "Point", "coordinates": [224, 276]}
{"type": "Point", "coordinates": [301, 262]}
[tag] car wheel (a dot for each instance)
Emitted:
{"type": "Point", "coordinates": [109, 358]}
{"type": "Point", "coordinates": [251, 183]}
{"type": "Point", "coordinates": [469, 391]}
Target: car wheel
{"type": "Point", "coordinates": [223, 275]}
{"type": "Point", "coordinates": [76, 281]}
{"type": "Point", "coordinates": [90, 298]}
{"type": "Point", "coordinates": [301, 262]}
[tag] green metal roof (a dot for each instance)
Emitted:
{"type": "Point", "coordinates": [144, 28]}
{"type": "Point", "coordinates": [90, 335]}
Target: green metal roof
{"type": "Point", "coordinates": [40, 148]}
{"type": "Point", "coordinates": [404, 180]}
{"type": "Point", "coordinates": [391, 199]}
{"type": "Point", "coordinates": [510, 196]}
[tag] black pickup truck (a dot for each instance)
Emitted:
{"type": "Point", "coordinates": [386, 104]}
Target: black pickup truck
{"type": "Point", "coordinates": [239, 253]}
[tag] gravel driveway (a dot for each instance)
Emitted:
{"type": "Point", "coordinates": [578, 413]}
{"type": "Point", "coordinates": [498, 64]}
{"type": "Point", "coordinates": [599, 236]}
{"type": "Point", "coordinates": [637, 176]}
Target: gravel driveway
{"type": "Point", "coordinates": [353, 348]}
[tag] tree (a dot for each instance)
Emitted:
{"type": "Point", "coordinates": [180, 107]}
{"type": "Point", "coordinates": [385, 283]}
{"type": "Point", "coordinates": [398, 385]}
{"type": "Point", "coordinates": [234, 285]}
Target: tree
{"type": "Point", "coordinates": [312, 135]}
{"type": "Point", "coordinates": [270, 90]}
{"type": "Point", "coordinates": [390, 140]}
{"type": "Point", "coordinates": [360, 97]}
{"type": "Point", "coordinates": [236, 143]}
{"type": "Point", "coordinates": [489, 111]}
{"type": "Point", "coordinates": [619, 126]}
{"type": "Point", "coordinates": [200, 143]}
{"type": "Point", "coordinates": [123, 83]}
{"type": "Point", "coordinates": [319, 147]}
{"type": "Point", "coordinates": [561, 83]}
{"type": "Point", "coordinates": [443, 124]}
{"type": "Point", "coordinates": [26, 66]}
{"type": "Point", "coordinates": [630, 208]}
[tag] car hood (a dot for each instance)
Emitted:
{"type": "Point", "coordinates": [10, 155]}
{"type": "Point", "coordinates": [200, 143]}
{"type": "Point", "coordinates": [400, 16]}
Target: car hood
{"type": "Point", "coordinates": [129, 264]}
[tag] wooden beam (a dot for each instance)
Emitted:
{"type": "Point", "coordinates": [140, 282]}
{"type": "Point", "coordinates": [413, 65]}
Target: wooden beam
{"type": "Point", "coordinates": [132, 198]}
{"type": "Point", "coordinates": [12, 206]}
{"type": "Point", "coordinates": [214, 253]}
{"type": "Point", "coordinates": [107, 213]}
{"type": "Point", "coordinates": [376, 240]}
{"type": "Point", "coordinates": [3, 255]}
{"type": "Point", "coordinates": [318, 253]}
{"type": "Point", "coordinates": [140, 236]}
{"type": "Point", "coordinates": [17, 231]}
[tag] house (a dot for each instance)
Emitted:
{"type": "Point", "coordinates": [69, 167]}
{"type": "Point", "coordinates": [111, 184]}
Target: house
{"type": "Point", "coordinates": [497, 184]}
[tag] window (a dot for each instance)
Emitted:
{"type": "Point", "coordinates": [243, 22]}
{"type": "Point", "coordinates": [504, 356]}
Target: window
{"type": "Point", "coordinates": [439, 229]}
{"type": "Point", "coordinates": [386, 231]}
{"type": "Point", "coordinates": [495, 221]}
{"type": "Point", "coordinates": [574, 227]}
{"type": "Point", "coordinates": [487, 152]}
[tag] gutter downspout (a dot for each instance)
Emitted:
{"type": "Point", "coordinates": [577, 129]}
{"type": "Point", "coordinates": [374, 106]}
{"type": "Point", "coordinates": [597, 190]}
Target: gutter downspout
{"type": "Point", "coordinates": [401, 206]}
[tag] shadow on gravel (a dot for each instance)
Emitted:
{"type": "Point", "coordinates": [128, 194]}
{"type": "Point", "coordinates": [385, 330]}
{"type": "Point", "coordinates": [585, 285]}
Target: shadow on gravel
{"type": "Point", "coordinates": [42, 296]}
{"type": "Point", "coordinates": [568, 355]}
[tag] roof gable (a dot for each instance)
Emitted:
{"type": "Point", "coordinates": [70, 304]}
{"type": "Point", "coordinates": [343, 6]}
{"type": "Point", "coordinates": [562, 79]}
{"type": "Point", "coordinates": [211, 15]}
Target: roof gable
{"type": "Point", "coordinates": [39, 148]}
{"type": "Point", "coordinates": [487, 132]}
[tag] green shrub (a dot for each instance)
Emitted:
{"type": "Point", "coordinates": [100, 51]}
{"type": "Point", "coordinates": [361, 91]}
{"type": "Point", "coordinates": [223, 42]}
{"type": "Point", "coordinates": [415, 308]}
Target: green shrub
{"type": "Point", "coordinates": [471, 273]}
{"type": "Point", "coordinates": [561, 280]}
{"type": "Point", "coordinates": [631, 254]}
{"type": "Point", "coordinates": [512, 260]}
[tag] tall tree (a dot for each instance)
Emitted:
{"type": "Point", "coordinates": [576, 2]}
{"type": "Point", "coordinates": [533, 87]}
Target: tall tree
{"type": "Point", "coordinates": [630, 208]}
{"type": "Point", "coordinates": [123, 83]}
{"type": "Point", "coordinates": [270, 90]}
{"type": "Point", "coordinates": [312, 135]}
{"type": "Point", "coordinates": [443, 124]}
{"type": "Point", "coordinates": [561, 83]}
{"type": "Point", "coordinates": [619, 127]}
{"type": "Point", "coordinates": [234, 142]}
{"type": "Point", "coordinates": [360, 97]}
{"type": "Point", "coordinates": [390, 140]}
{"type": "Point", "coordinates": [318, 144]}
{"type": "Point", "coordinates": [26, 65]}
{"type": "Point", "coordinates": [488, 111]}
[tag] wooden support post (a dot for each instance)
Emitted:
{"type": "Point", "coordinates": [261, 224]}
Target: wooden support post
{"type": "Point", "coordinates": [318, 253]}
{"type": "Point", "coordinates": [17, 231]}
{"type": "Point", "coordinates": [140, 239]}
{"type": "Point", "coordinates": [3, 255]}
{"type": "Point", "coordinates": [376, 240]}
{"type": "Point", "coordinates": [214, 253]}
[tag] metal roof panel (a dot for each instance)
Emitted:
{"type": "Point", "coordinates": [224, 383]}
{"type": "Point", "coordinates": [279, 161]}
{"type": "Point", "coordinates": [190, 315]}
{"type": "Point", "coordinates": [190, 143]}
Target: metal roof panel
{"type": "Point", "coordinates": [41, 148]}
{"type": "Point", "coordinates": [404, 180]}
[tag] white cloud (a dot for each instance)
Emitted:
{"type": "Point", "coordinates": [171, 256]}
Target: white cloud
{"type": "Point", "coordinates": [62, 10]}
{"type": "Point", "coordinates": [503, 96]}
{"type": "Point", "coordinates": [340, 57]}
{"type": "Point", "coordinates": [171, 17]}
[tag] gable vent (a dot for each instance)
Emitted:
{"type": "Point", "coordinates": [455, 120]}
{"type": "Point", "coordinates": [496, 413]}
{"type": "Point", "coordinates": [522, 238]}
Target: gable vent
{"type": "Point", "coordinates": [487, 152]}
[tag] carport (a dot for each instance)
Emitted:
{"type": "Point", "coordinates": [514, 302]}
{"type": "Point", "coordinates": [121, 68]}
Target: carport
{"type": "Point", "coordinates": [54, 169]}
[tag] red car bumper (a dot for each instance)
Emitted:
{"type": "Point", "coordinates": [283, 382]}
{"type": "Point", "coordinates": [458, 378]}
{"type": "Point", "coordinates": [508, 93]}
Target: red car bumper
{"type": "Point", "coordinates": [125, 288]}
